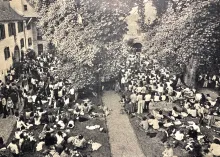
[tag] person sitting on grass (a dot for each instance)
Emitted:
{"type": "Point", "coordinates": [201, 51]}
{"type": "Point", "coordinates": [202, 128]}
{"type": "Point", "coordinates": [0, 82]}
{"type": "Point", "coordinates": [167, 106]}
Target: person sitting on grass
{"type": "Point", "coordinates": [158, 114]}
{"type": "Point", "coordinates": [167, 123]}
{"type": "Point", "coordinates": [168, 152]}
{"type": "Point", "coordinates": [61, 125]}
{"type": "Point", "coordinates": [37, 120]}
{"type": "Point", "coordinates": [175, 114]}
{"type": "Point", "coordinates": [153, 122]}
{"type": "Point", "coordinates": [214, 148]}
{"type": "Point", "coordinates": [78, 141]}
{"type": "Point", "coordinates": [60, 137]}
{"type": "Point", "coordinates": [179, 135]}
{"type": "Point", "coordinates": [70, 124]}
{"type": "Point", "coordinates": [86, 108]}
{"type": "Point", "coordinates": [49, 129]}
{"type": "Point", "coordinates": [13, 148]}
{"type": "Point", "coordinates": [192, 112]}
{"type": "Point", "coordinates": [28, 114]}
{"type": "Point", "coordinates": [21, 123]}
{"type": "Point", "coordinates": [144, 124]}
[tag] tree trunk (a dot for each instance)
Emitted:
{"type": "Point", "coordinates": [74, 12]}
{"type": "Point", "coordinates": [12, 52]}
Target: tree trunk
{"type": "Point", "coordinates": [190, 73]}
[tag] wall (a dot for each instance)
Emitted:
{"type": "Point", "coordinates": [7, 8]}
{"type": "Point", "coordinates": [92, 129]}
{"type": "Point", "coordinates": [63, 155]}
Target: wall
{"type": "Point", "coordinates": [18, 6]}
{"type": "Point", "coordinates": [11, 43]}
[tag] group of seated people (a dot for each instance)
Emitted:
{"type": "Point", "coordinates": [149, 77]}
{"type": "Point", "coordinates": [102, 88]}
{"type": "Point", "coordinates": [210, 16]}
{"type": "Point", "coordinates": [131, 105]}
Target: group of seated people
{"type": "Point", "coordinates": [146, 86]}
{"type": "Point", "coordinates": [57, 133]}
{"type": "Point", "coordinates": [50, 110]}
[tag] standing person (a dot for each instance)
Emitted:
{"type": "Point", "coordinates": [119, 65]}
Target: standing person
{"type": "Point", "coordinates": [10, 105]}
{"type": "Point", "coordinates": [14, 98]}
{"type": "Point", "coordinates": [25, 97]}
{"type": "Point", "coordinates": [20, 95]}
{"type": "Point", "coordinates": [5, 110]}
{"type": "Point", "coordinates": [13, 73]}
{"type": "Point", "coordinates": [1, 106]}
{"type": "Point", "coordinates": [56, 91]}
{"type": "Point", "coordinates": [117, 86]}
{"type": "Point", "coordinates": [30, 101]}
{"type": "Point", "coordinates": [140, 103]}
{"type": "Point", "coordinates": [76, 94]}
{"type": "Point", "coordinates": [123, 81]}
{"type": "Point", "coordinates": [133, 98]}
{"type": "Point", "coordinates": [38, 100]}
{"type": "Point", "coordinates": [72, 94]}
{"type": "Point", "coordinates": [147, 98]}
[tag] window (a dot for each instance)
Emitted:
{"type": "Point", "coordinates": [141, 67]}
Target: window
{"type": "Point", "coordinates": [40, 48]}
{"type": "Point", "coordinates": [25, 7]}
{"type": "Point", "coordinates": [28, 25]}
{"type": "Point", "coordinates": [7, 53]}
{"type": "Point", "coordinates": [11, 29]}
{"type": "Point", "coordinates": [2, 31]}
{"type": "Point", "coordinates": [39, 34]}
{"type": "Point", "coordinates": [22, 43]}
{"type": "Point", "coordinates": [29, 41]}
{"type": "Point", "coordinates": [20, 27]}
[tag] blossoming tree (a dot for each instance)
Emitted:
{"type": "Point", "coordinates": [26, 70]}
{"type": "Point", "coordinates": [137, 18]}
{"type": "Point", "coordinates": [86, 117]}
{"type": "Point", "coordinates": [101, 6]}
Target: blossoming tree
{"type": "Point", "coordinates": [88, 33]}
{"type": "Point", "coordinates": [186, 37]}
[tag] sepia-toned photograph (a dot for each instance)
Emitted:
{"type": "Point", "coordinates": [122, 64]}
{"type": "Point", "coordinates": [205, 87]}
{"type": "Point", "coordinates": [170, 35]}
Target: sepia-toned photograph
{"type": "Point", "coordinates": [109, 78]}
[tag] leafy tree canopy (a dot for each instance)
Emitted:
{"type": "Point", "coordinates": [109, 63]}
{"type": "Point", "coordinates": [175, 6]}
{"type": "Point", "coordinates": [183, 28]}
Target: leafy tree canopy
{"type": "Point", "coordinates": [89, 34]}
{"type": "Point", "coordinates": [186, 28]}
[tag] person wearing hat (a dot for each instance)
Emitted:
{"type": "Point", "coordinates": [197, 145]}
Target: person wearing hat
{"type": "Point", "coordinates": [70, 124]}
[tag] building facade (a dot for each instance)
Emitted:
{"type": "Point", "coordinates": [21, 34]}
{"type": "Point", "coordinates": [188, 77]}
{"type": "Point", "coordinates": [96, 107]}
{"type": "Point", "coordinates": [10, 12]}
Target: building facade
{"type": "Point", "coordinates": [18, 33]}
{"type": "Point", "coordinates": [25, 9]}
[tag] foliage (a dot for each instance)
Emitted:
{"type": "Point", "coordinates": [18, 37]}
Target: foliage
{"type": "Point", "coordinates": [89, 34]}
{"type": "Point", "coordinates": [187, 28]}
{"type": "Point", "coordinates": [161, 6]}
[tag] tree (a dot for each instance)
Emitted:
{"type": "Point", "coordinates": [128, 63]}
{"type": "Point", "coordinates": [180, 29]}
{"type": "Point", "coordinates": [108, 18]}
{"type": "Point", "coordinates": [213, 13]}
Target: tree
{"type": "Point", "coordinates": [88, 33]}
{"type": "Point", "coordinates": [186, 37]}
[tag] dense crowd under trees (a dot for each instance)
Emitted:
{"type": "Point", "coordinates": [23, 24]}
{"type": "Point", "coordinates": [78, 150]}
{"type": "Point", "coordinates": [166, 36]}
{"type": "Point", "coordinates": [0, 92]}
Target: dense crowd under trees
{"type": "Point", "coordinates": [89, 34]}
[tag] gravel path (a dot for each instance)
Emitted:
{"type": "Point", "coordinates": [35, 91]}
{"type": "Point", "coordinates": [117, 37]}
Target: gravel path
{"type": "Point", "coordinates": [6, 127]}
{"type": "Point", "coordinates": [122, 138]}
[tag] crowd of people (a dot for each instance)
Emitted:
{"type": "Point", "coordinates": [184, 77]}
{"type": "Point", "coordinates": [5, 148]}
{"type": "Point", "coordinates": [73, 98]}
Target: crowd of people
{"type": "Point", "coordinates": [41, 101]}
{"type": "Point", "coordinates": [192, 123]}
{"type": "Point", "coordinates": [209, 81]}
{"type": "Point", "coordinates": [46, 109]}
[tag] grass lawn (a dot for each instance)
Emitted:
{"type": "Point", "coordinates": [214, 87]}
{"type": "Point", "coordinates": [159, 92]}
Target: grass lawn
{"type": "Point", "coordinates": [152, 147]}
{"type": "Point", "coordinates": [80, 128]}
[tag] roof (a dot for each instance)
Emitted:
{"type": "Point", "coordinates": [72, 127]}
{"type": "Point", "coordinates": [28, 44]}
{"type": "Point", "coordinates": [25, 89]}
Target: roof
{"type": "Point", "coordinates": [8, 14]}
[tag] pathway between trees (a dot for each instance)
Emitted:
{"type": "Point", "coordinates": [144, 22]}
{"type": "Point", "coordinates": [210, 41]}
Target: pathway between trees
{"type": "Point", "coordinates": [122, 138]}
